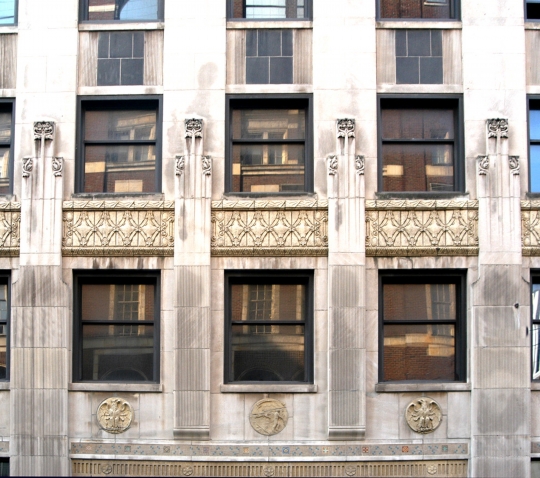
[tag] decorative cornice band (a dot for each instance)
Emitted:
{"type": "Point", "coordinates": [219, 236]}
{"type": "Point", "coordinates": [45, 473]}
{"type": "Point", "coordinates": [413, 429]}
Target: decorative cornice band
{"type": "Point", "coordinates": [10, 206]}
{"type": "Point", "coordinates": [270, 251]}
{"type": "Point", "coordinates": [98, 205]}
{"type": "Point", "coordinates": [118, 251]}
{"type": "Point", "coordinates": [420, 251]}
{"type": "Point", "coordinates": [270, 204]}
{"type": "Point", "coordinates": [385, 204]}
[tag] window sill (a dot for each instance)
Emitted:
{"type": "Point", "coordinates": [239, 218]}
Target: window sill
{"type": "Point", "coordinates": [419, 24]}
{"type": "Point", "coordinates": [289, 196]}
{"type": "Point", "coordinates": [115, 387]}
{"type": "Point", "coordinates": [4, 386]}
{"type": "Point", "coordinates": [116, 25]}
{"type": "Point", "coordinates": [9, 29]}
{"type": "Point", "coordinates": [423, 387]}
{"type": "Point", "coordinates": [422, 195]}
{"type": "Point", "coordinates": [535, 386]}
{"type": "Point", "coordinates": [119, 196]}
{"type": "Point", "coordinates": [239, 24]}
{"type": "Point", "coordinates": [532, 24]}
{"type": "Point", "coordinates": [269, 388]}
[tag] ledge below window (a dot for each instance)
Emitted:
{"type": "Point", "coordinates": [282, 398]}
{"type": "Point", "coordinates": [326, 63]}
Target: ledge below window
{"type": "Point", "coordinates": [269, 388]}
{"type": "Point", "coordinates": [535, 386]}
{"type": "Point", "coordinates": [240, 24]}
{"type": "Point", "coordinates": [116, 387]}
{"type": "Point", "coordinates": [119, 25]}
{"type": "Point", "coordinates": [423, 387]}
{"type": "Point", "coordinates": [4, 386]}
{"type": "Point", "coordinates": [420, 24]}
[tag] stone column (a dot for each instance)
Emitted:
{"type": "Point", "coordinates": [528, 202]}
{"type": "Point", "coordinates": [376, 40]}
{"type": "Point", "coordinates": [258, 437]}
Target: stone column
{"type": "Point", "coordinates": [192, 266]}
{"type": "Point", "coordinates": [346, 278]}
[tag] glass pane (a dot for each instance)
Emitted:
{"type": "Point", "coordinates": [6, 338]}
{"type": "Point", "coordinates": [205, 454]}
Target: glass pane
{"type": "Point", "coordinates": [415, 8]}
{"type": "Point", "coordinates": [268, 168]}
{"type": "Point", "coordinates": [7, 12]}
{"type": "Point", "coordinates": [269, 124]}
{"type": "Point", "coordinates": [4, 466]}
{"type": "Point", "coordinates": [271, 9]}
{"type": "Point", "coordinates": [4, 170]}
{"type": "Point", "coordinates": [123, 10]}
{"type": "Point", "coordinates": [418, 124]}
{"type": "Point", "coordinates": [131, 125]}
{"type": "Point", "coordinates": [536, 350]}
{"type": "Point", "coordinates": [419, 352]}
{"type": "Point", "coordinates": [268, 355]}
{"type": "Point", "coordinates": [419, 301]}
{"type": "Point", "coordinates": [418, 167]}
{"type": "Point", "coordinates": [120, 169]}
{"type": "Point", "coordinates": [268, 302]}
{"type": "Point", "coordinates": [535, 168]}
{"type": "Point", "coordinates": [118, 353]}
{"type": "Point", "coordinates": [129, 302]}
{"type": "Point", "coordinates": [5, 127]}
{"type": "Point", "coordinates": [534, 124]}
{"type": "Point", "coordinates": [3, 350]}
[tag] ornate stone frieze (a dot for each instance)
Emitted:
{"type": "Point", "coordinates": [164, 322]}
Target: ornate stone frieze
{"type": "Point", "coordinates": [269, 229]}
{"type": "Point", "coordinates": [114, 415]}
{"type": "Point", "coordinates": [332, 164]}
{"type": "Point", "coordinates": [27, 166]}
{"type": "Point", "coordinates": [269, 416]}
{"type": "Point", "coordinates": [345, 128]}
{"type": "Point", "coordinates": [10, 226]}
{"type": "Point", "coordinates": [194, 127]}
{"type": "Point", "coordinates": [423, 415]}
{"type": "Point", "coordinates": [514, 164]}
{"type": "Point", "coordinates": [180, 165]}
{"type": "Point", "coordinates": [483, 165]}
{"type": "Point", "coordinates": [109, 228]}
{"type": "Point", "coordinates": [416, 228]}
{"type": "Point", "coordinates": [530, 227]}
{"type": "Point", "coordinates": [57, 166]}
{"type": "Point", "coordinates": [270, 204]}
{"type": "Point", "coordinates": [497, 127]}
{"type": "Point", "coordinates": [206, 165]}
{"type": "Point", "coordinates": [360, 164]}
{"type": "Point", "coordinates": [44, 130]}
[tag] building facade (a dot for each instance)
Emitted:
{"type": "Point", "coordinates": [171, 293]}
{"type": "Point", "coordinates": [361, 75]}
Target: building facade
{"type": "Point", "coordinates": [270, 238]}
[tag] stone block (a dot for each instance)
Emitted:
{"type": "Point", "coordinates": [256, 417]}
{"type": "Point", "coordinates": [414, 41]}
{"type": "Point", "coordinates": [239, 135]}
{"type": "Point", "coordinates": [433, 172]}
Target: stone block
{"type": "Point", "coordinates": [156, 416]}
{"type": "Point", "coordinates": [382, 416]}
{"type": "Point", "coordinates": [501, 326]}
{"type": "Point", "coordinates": [346, 286]}
{"type": "Point", "coordinates": [346, 327]}
{"type": "Point", "coordinates": [192, 408]}
{"type": "Point", "coordinates": [459, 415]}
{"type": "Point", "coordinates": [500, 285]}
{"type": "Point", "coordinates": [192, 374]}
{"type": "Point", "coordinates": [227, 416]}
{"type": "Point", "coordinates": [193, 327]}
{"type": "Point", "coordinates": [501, 412]}
{"type": "Point", "coordinates": [346, 408]}
{"type": "Point", "coordinates": [346, 369]}
{"type": "Point", "coordinates": [80, 415]}
{"type": "Point", "coordinates": [320, 334]}
{"type": "Point", "coordinates": [501, 467]}
{"type": "Point", "coordinates": [310, 416]}
{"type": "Point", "coordinates": [501, 367]}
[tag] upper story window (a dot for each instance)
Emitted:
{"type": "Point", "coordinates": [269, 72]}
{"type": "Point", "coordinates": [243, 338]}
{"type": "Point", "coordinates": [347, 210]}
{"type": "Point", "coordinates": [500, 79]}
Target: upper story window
{"type": "Point", "coordinates": [4, 326]}
{"type": "Point", "coordinates": [270, 144]}
{"type": "Point", "coordinates": [418, 9]}
{"type": "Point", "coordinates": [122, 10]}
{"type": "Point", "coordinates": [6, 145]}
{"type": "Point", "coordinates": [269, 9]}
{"type": "Point", "coordinates": [420, 144]}
{"type": "Point", "coordinates": [8, 12]}
{"type": "Point", "coordinates": [119, 146]}
{"type": "Point", "coordinates": [534, 145]}
{"type": "Point", "coordinates": [532, 9]}
{"type": "Point", "coordinates": [535, 336]}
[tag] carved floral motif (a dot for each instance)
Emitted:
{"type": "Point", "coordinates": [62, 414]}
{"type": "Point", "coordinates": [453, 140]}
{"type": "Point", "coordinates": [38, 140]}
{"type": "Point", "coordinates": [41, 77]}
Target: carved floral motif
{"type": "Point", "coordinates": [194, 128]}
{"type": "Point", "coordinates": [10, 226]}
{"type": "Point", "coordinates": [206, 165]}
{"type": "Point", "coordinates": [180, 165]}
{"type": "Point", "coordinates": [57, 166]}
{"type": "Point", "coordinates": [423, 415]}
{"type": "Point", "coordinates": [332, 164]}
{"type": "Point", "coordinates": [497, 127]}
{"type": "Point", "coordinates": [514, 164]}
{"type": "Point", "coordinates": [114, 415]}
{"type": "Point", "coordinates": [530, 227]}
{"type": "Point", "coordinates": [360, 164]}
{"type": "Point", "coordinates": [269, 417]}
{"type": "Point", "coordinates": [44, 130]}
{"type": "Point", "coordinates": [345, 128]}
{"type": "Point", "coordinates": [483, 165]}
{"type": "Point", "coordinates": [27, 166]}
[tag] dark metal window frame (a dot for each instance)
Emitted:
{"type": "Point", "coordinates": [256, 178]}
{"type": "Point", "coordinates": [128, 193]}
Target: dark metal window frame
{"type": "Point", "coordinates": [533, 103]}
{"type": "Point", "coordinates": [5, 279]}
{"type": "Point", "coordinates": [269, 101]}
{"type": "Point", "coordinates": [111, 103]}
{"type": "Point", "coordinates": [82, 277]}
{"type": "Point", "coordinates": [5, 106]}
{"type": "Point", "coordinates": [455, 9]}
{"type": "Point", "coordinates": [308, 14]}
{"type": "Point", "coordinates": [428, 276]}
{"type": "Point", "coordinates": [416, 102]}
{"type": "Point", "coordinates": [535, 279]}
{"type": "Point", "coordinates": [525, 3]}
{"type": "Point", "coordinates": [299, 276]}
{"type": "Point", "coordinates": [83, 14]}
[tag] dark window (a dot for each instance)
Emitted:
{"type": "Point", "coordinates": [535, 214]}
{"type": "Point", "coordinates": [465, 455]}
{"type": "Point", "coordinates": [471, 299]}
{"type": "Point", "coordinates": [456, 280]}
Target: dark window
{"type": "Point", "coordinates": [4, 466]}
{"type": "Point", "coordinates": [535, 336]}
{"type": "Point", "coordinates": [8, 12]}
{"type": "Point", "coordinates": [419, 57]}
{"type": "Point", "coordinates": [269, 56]}
{"type": "Point", "coordinates": [120, 58]}
{"type": "Point", "coordinates": [117, 327]}
{"type": "Point", "coordinates": [120, 146]}
{"type": "Point", "coordinates": [532, 9]}
{"type": "Point", "coordinates": [534, 145]}
{"type": "Point", "coordinates": [420, 145]}
{"type": "Point", "coordinates": [4, 325]}
{"type": "Point", "coordinates": [122, 10]}
{"type": "Point", "coordinates": [422, 316]}
{"type": "Point", "coordinates": [427, 9]}
{"type": "Point", "coordinates": [269, 326]}
{"type": "Point", "coordinates": [6, 145]}
{"type": "Point", "coordinates": [269, 9]}
{"type": "Point", "coordinates": [270, 145]}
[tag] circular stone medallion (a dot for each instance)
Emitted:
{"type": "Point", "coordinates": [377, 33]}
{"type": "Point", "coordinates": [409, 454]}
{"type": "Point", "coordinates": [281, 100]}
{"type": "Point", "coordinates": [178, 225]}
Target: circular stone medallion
{"type": "Point", "coordinates": [423, 415]}
{"type": "Point", "coordinates": [268, 416]}
{"type": "Point", "coordinates": [114, 415]}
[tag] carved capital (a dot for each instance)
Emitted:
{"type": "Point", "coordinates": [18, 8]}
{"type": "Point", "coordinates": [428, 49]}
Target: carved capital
{"type": "Point", "coordinates": [345, 128]}
{"type": "Point", "coordinates": [360, 164]}
{"type": "Point", "coordinates": [332, 164]}
{"type": "Point", "coordinates": [483, 165]}
{"type": "Point", "coordinates": [497, 128]}
{"type": "Point", "coordinates": [206, 165]}
{"type": "Point", "coordinates": [514, 164]}
{"type": "Point", "coordinates": [180, 165]}
{"type": "Point", "coordinates": [194, 128]}
{"type": "Point", "coordinates": [27, 166]}
{"type": "Point", "coordinates": [44, 130]}
{"type": "Point", "coordinates": [57, 166]}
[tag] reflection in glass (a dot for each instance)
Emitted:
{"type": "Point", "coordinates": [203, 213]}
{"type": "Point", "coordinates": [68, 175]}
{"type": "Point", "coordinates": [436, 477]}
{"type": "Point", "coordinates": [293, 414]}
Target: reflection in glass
{"type": "Point", "coordinates": [417, 124]}
{"type": "Point", "coordinates": [130, 10]}
{"type": "Point", "coordinates": [269, 9]}
{"type": "Point", "coordinates": [434, 9]}
{"type": "Point", "coordinates": [120, 125]}
{"type": "Point", "coordinates": [5, 127]}
{"type": "Point", "coordinates": [536, 330]}
{"type": "Point", "coordinates": [7, 12]}
{"type": "Point", "coordinates": [3, 330]}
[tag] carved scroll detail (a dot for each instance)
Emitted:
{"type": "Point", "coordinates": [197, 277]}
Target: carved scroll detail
{"type": "Point", "coordinates": [345, 128]}
{"type": "Point", "coordinates": [180, 165]}
{"type": "Point", "coordinates": [44, 130]}
{"type": "Point", "coordinates": [497, 127]}
{"type": "Point", "coordinates": [57, 166]}
{"type": "Point", "coordinates": [332, 164]}
{"type": "Point", "coordinates": [483, 165]}
{"type": "Point", "coordinates": [27, 166]}
{"type": "Point", "coordinates": [194, 127]}
{"type": "Point", "coordinates": [514, 165]}
{"type": "Point", "coordinates": [360, 164]}
{"type": "Point", "coordinates": [206, 165]}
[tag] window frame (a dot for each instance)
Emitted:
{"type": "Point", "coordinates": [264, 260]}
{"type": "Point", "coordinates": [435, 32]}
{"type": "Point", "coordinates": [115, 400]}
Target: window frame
{"type": "Point", "coordinates": [424, 101]}
{"type": "Point", "coordinates": [122, 102]}
{"type": "Point", "coordinates": [455, 14]}
{"type": "Point", "coordinates": [535, 279]}
{"type": "Point", "coordinates": [82, 277]}
{"type": "Point", "coordinates": [531, 99]}
{"type": "Point", "coordinates": [11, 106]}
{"type": "Point", "coordinates": [527, 19]}
{"type": "Point", "coordinates": [297, 276]}
{"type": "Point", "coordinates": [307, 18]}
{"type": "Point", "coordinates": [5, 278]}
{"type": "Point", "coordinates": [268, 101]}
{"type": "Point", "coordinates": [428, 276]}
{"type": "Point", "coordinates": [83, 15]}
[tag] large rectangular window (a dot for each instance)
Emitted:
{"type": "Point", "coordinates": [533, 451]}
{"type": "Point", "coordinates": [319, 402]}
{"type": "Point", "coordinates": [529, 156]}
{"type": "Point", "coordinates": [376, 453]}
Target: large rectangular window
{"type": "Point", "coordinates": [270, 145]}
{"type": "Point", "coordinates": [8, 12]}
{"type": "Point", "coordinates": [6, 145]}
{"type": "Point", "coordinates": [121, 10]}
{"type": "Point", "coordinates": [420, 144]}
{"type": "Point", "coordinates": [269, 326]}
{"type": "Point", "coordinates": [120, 146]}
{"type": "Point", "coordinates": [535, 336]}
{"type": "Point", "coordinates": [418, 9]}
{"type": "Point", "coordinates": [116, 327]}
{"type": "Point", "coordinates": [422, 318]}
{"type": "Point", "coordinates": [269, 9]}
{"type": "Point", "coordinates": [4, 325]}
{"type": "Point", "coordinates": [534, 145]}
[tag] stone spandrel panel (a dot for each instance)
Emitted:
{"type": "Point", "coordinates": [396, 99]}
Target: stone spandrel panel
{"type": "Point", "coordinates": [275, 228]}
{"type": "Point", "coordinates": [530, 227]}
{"type": "Point", "coordinates": [114, 228]}
{"type": "Point", "coordinates": [422, 227]}
{"type": "Point", "coordinates": [10, 226]}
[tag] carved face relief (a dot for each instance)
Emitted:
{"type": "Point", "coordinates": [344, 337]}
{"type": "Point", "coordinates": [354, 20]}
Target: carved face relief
{"type": "Point", "coordinates": [269, 416]}
{"type": "Point", "coordinates": [423, 415]}
{"type": "Point", "coordinates": [114, 415]}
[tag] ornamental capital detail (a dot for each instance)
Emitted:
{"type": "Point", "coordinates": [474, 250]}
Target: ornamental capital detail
{"type": "Point", "coordinates": [346, 127]}
{"type": "Point", "coordinates": [194, 127]}
{"type": "Point", "coordinates": [423, 415]}
{"type": "Point", "coordinates": [514, 164]}
{"type": "Point", "coordinates": [27, 166]}
{"type": "Point", "coordinates": [44, 130]}
{"type": "Point", "coordinates": [57, 166]}
{"type": "Point", "coordinates": [206, 165]}
{"type": "Point", "coordinates": [332, 164]}
{"type": "Point", "coordinates": [360, 164]}
{"type": "Point", "coordinates": [180, 165]}
{"type": "Point", "coordinates": [497, 128]}
{"type": "Point", "coordinates": [483, 165]}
